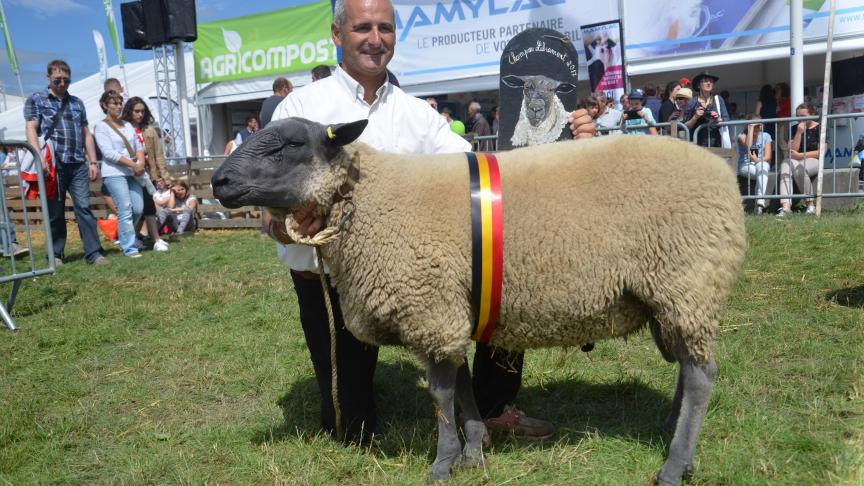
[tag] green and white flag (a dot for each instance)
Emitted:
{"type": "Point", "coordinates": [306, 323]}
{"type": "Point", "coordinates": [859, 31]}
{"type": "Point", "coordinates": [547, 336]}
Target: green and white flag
{"type": "Point", "coordinates": [100, 52]}
{"type": "Point", "coordinates": [10, 51]}
{"type": "Point", "coordinates": [112, 30]}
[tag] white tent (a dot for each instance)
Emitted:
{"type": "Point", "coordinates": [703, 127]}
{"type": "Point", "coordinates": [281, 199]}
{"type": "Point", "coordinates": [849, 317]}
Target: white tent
{"type": "Point", "coordinates": [140, 81]}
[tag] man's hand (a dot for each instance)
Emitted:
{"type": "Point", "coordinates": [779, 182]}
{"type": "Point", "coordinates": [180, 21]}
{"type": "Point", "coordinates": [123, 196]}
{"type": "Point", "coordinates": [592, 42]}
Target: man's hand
{"type": "Point", "coordinates": [307, 223]}
{"type": "Point", "coordinates": [581, 124]}
{"type": "Point", "coordinates": [94, 172]}
{"type": "Point", "coordinates": [138, 169]}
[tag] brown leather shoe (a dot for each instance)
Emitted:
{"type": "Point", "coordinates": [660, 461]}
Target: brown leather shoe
{"type": "Point", "coordinates": [516, 422]}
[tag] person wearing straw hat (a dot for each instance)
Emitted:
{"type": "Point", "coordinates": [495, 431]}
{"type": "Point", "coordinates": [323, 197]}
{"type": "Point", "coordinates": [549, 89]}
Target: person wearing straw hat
{"type": "Point", "coordinates": [706, 108]}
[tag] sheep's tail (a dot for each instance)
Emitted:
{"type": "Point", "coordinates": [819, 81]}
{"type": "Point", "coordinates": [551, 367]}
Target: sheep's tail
{"type": "Point", "coordinates": [334, 375]}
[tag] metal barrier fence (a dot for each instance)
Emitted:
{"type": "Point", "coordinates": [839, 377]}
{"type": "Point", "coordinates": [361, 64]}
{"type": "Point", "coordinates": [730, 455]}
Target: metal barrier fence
{"type": "Point", "coordinates": [761, 184]}
{"type": "Point", "coordinates": [673, 129]}
{"type": "Point", "coordinates": [18, 270]}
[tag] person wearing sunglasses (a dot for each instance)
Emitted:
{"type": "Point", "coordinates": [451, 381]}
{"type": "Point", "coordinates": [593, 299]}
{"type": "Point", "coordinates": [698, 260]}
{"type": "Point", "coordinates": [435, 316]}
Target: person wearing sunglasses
{"type": "Point", "coordinates": [56, 111]}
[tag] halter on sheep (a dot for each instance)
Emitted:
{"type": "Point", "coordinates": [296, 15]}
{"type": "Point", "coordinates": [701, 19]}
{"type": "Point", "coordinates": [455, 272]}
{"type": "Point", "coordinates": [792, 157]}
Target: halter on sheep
{"type": "Point", "coordinates": [656, 237]}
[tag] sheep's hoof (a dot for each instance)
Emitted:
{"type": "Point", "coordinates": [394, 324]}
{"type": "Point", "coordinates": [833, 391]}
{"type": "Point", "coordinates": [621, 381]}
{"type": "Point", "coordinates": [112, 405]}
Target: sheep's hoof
{"type": "Point", "coordinates": [472, 459]}
{"type": "Point", "coordinates": [441, 469]}
{"type": "Point", "coordinates": [663, 478]}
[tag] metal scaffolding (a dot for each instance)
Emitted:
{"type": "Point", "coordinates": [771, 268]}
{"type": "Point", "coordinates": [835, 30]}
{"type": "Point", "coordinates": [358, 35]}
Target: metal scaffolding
{"type": "Point", "coordinates": [169, 69]}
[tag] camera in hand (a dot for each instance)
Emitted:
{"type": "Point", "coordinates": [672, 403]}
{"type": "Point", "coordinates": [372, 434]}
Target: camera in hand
{"type": "Point", "coordinates": [632, 115]}
{"type": "Point", "coordinates": [755, 152]}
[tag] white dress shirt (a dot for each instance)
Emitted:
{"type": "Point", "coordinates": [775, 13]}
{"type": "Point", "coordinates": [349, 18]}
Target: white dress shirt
{"type": "Point", "coordinates": [398, 123]}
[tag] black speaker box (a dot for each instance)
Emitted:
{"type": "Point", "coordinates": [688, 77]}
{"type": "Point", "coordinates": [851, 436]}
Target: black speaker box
{"type": "Point", "coordinates": [134, 31]}
{"type": "Point", "coordinates": [170, 20]}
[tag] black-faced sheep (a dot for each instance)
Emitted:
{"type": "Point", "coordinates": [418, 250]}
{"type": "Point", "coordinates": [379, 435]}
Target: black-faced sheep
{"type": "Point", "coordinates": [600, 241]}
{"type": "Point", "coordinates": [542, 116]}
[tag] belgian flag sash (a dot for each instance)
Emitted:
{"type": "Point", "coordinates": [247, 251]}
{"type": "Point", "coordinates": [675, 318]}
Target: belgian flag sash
{"type": "Point", "coordinates": [487, 243]}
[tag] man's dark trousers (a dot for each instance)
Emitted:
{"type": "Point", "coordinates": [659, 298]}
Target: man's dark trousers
{"type": "Point", "coordinates": [497, 374]}
{"type": "Point", "coordinates": [355, 363]}
{"type": "Point", "coordinates": [75, 178]}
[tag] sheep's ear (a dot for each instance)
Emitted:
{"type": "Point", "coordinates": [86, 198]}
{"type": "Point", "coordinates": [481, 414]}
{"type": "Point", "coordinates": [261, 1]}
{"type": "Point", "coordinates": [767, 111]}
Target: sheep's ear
{"type": "Point", "coordinates": [513, 81]}
{"type": "Point", "coordinates": [344, 133]}
{"type": "Point", "coordinates": [565, 88]}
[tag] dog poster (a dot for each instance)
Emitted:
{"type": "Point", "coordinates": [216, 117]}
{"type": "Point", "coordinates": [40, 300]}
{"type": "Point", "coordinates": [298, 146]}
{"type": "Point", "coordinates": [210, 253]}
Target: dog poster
{"type": "Point", "coordinates": [604, 58]}
{"type": "Point", "coordinates": [539, 69]}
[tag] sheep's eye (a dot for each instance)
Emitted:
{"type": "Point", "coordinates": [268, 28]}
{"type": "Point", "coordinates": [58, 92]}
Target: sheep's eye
{"type": "Point", "coordinates": [295, 144]}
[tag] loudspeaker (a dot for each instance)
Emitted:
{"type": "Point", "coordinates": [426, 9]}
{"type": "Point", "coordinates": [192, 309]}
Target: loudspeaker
{"type": "Point", "coordinates": [170, 20]}
{"type": "Point", "coordinates": [134, 31]}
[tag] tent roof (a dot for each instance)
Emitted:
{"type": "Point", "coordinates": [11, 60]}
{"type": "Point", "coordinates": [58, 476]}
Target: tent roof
{"type": "Point", "coordinates": [140, 81]}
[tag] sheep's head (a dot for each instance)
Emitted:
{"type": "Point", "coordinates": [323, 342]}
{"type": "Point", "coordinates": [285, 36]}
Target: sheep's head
{"type": "Point", "coordinates": [288, 165]}
{"type": "Point", "coordinates": [538, 92]}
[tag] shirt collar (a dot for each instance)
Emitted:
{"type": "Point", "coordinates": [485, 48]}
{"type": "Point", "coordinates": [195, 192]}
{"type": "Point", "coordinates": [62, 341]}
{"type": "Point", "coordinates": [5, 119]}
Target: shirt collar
{"type": "Point", "coordinates": [50, 95]}
{"type": "Point", "coordinates": [356, 90]}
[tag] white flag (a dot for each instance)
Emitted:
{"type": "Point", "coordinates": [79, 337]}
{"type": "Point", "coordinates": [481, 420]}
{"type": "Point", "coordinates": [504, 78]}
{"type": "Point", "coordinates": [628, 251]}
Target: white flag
{"type": "Point", "coordinates": [100, 51]}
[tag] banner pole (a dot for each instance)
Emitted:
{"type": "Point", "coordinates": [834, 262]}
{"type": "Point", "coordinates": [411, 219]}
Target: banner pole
{"type": "Point", "coordinates": [823, 129]}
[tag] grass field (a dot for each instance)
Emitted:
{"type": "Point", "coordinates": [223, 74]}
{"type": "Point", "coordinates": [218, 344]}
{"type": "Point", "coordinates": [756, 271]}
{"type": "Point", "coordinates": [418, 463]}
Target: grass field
{"type": "Point", "coordinates": [190, 367]}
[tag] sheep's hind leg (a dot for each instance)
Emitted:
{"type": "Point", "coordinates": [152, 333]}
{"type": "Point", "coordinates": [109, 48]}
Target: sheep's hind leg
{"type": "Point", "coordinates": [695, 381]}
{"type": "Point", "coordinates": [668, 355]}
{"type": "Point", "coordinates": [442, 387]}
{"type": "Point", "coordinates": [475, 428]}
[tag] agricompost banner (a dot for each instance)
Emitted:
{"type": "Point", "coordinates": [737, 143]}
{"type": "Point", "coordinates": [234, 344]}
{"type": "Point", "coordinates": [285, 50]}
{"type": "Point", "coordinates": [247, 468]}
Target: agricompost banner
{"type": "Point", "coordinates": [453, 39]}
{"type": "Point", "coordinates": [272, 43]}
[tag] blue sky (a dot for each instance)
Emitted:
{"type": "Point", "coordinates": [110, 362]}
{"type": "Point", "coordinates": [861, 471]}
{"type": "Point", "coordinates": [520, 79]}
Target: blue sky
{"type": "Point", "coordinates": [43, 30]}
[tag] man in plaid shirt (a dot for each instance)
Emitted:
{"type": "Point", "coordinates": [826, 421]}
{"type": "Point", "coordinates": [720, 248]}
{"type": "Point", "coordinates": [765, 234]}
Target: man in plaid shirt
{"type": "Point", "coordinates": [74, 158]}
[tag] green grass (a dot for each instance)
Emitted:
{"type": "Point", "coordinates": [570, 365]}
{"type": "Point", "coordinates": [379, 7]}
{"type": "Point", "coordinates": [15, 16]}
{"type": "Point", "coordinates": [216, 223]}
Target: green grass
{"type": "Point", "coordinates": [190, 367]}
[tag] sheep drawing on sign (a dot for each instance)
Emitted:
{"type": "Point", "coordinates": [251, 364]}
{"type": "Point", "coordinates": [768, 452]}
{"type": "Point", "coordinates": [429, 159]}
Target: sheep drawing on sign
{"type": "Point", "coordinates": [537, 88]}
{"type": "Point", "coordinates": [542, 116]}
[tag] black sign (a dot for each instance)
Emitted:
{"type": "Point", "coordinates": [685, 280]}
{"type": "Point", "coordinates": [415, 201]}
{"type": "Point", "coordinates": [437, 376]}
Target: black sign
{"type": "Point", "coordinates": [539, 69]}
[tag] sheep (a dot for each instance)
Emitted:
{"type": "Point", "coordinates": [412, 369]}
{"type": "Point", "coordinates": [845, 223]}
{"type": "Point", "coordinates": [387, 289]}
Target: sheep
{"type": "Point", "coordinates": [600, 241]}
{"type": "Point", "coordinates": [542, 116]}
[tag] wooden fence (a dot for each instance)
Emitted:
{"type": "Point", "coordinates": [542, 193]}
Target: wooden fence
{"type": "Point", "coordinates": [195, 171]}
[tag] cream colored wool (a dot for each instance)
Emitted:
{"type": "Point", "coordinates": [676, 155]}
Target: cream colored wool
{"type": "Point", "coordinates": [599, 236]}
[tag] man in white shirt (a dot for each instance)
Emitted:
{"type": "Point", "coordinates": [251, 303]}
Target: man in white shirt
{"type": "Point", "coordinates": [359, 89]}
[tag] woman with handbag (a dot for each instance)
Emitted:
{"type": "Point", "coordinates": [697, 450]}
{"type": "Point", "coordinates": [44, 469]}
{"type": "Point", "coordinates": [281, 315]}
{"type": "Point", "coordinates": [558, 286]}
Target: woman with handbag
{"type": "Point", "coordinates": [138, 115]}
{"type": "Point", "coordinates": [122, 161]}
{"type": "Point", "coordinates": [707, 108]}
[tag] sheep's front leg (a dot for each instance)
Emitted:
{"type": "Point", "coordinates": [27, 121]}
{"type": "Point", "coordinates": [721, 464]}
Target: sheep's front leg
{"type": "Point", "coordinates": [475, 428]}
{"type": "Point", "coordinates": [696, 381]}
{"type": "Point", "coordinates": [442, 387]}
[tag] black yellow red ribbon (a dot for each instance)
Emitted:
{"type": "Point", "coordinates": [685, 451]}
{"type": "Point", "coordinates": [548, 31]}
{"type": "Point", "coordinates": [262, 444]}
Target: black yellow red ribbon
{"type": "Point", "coordinates": [487, 243]}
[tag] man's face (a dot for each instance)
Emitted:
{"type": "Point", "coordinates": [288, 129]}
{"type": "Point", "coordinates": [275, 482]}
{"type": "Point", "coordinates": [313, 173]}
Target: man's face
{"type": "Point", "coordinates": [635, 104]}
{"type": "Point", "coordinates": [367, 37]}
{"type": "Point", "coordinates": [252, 125]}
{"type": "Point", "coordinates": [59, 81]}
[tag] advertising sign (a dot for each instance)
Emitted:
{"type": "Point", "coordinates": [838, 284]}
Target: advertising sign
{"type": "Point", "coordinates": [272, 43]}
{"type": "Point", "coordinates": [454, 39]}
{"type": "Point", "coordinates": [662, 27]}
{"type": "Point", "coordinates": [538, 89]}
{"type": "Point", "coordinates": [603, 53]}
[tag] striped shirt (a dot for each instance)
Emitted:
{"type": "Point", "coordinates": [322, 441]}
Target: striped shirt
{"type": "Point", "coordinates": [68, 137]}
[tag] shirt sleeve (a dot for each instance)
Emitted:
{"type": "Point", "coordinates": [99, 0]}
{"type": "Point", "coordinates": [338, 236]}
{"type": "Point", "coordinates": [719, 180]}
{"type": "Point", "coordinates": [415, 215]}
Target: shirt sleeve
{"type": "Point", "coordinates": [102, 135]}
{"type": "Point", "coordinates": [81, 107]}
{"type": "Point", "coordinates": [651, 120]}
{"type": "Point", "coordinates": [444, 140]}
{"type": "Point", "coordinates": [30, 111]}
{"type": "Point", "coordinates": [288, 107]}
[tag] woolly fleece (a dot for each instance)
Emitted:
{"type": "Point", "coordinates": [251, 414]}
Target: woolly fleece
{"type": "Point", "coordinates": [599, 237]}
